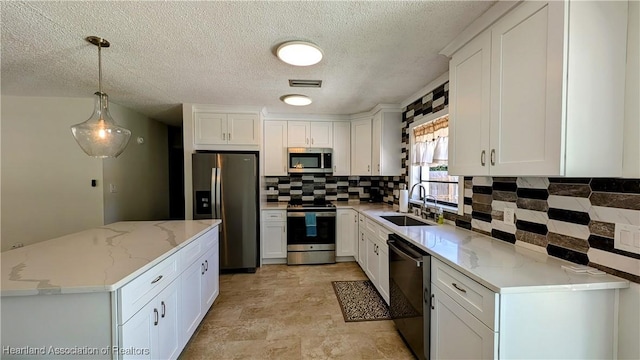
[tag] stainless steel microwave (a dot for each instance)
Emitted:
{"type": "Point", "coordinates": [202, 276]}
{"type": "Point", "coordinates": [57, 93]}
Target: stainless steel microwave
{"type": "Point", "coordinates": [310, 160]}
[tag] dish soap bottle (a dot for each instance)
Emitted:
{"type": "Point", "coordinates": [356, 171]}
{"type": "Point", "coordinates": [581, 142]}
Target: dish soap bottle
{"type": "Point", "coordinates": [440, 216]}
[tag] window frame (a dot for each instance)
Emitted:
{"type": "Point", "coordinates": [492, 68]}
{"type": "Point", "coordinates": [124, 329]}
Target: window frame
{"type": "Point", "coordinates": [411, 168]}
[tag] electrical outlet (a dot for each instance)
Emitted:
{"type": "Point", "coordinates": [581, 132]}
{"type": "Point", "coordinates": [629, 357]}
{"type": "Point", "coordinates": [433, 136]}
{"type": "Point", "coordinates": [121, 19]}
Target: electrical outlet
{"type": "Point", "coordinates": [113, 188]}
{"type": "Point", "coordinates": [627, 237]}
{"type": "Point", "coordinates": [509, 216]}
{"type": "Point", "coordinates": [17, 245]}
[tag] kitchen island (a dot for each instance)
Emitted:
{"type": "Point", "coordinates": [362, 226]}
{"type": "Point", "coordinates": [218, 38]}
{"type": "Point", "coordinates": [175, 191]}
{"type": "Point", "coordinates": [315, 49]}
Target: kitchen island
{"type": "Point", "coordinates": [123, 290]}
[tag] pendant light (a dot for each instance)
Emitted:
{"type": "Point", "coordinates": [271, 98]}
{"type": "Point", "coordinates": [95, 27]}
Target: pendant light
{"type": "Point", "coordinates": [100, 136]}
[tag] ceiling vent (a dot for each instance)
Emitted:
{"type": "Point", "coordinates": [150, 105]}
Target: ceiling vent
{"type": "Point", "coordinates": [305, 83]}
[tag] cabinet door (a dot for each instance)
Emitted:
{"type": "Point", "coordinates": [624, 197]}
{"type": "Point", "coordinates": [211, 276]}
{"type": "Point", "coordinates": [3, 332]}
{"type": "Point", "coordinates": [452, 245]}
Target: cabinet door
{"type": "Point", "coordinates": [138, 331]}
{"type": "Point", "coordinates": [210, 278]}
{"type": "Point", "coordinates": [469, 108]}
{"type": "Point", "coordinates": [376, 146]}
{"type": "Point", "coordinates": [361, 147]}
{"type": "Point", "coordinates": [243, 129]}
{"type": "Point", "coordinates": [341, 149]}
{"type": "Point", "coordinates": [362, 244]}
{"type": "Point", "coordinates": [274, 235]}
{"type": "Point", "coordinates": [383, 275]}
{"type": "Point", "coordinates": [275, 148]}
{"type": "Point", "coordinates": [191, 299]}
{"type": "Point", "coordinates": [168, 344]}
{"type": "Point", "coordinates": [372, 268]}
{"type": "Point", "coordinates": [298, 134]}
{"type": "Point", "coordinates": [347, 232]}
{"type": "Point", "coordinates": [321, 134]}
{"type": "Point", "coordinates": [210, 129]}
{"type": "Point", "coordinates": [526, 90]}
{"type": "Point", "coordinates": [456, 334]}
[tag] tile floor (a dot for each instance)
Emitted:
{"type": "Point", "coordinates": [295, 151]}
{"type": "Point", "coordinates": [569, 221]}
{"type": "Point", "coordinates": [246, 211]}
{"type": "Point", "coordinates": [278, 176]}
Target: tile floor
{"type": "Point", "coordinates": [290, 312]}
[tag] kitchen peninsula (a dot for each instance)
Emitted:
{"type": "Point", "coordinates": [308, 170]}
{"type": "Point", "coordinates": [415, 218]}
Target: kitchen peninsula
{"type": "Point", "coordinates": [120, 290]}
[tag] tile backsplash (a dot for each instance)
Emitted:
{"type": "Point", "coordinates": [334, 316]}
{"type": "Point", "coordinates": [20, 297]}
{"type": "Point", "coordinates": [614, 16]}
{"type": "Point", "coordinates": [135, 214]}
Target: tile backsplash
{"type": "Point", "coordinates": [570, 218]}
{"type": "Point", "coordinates": [314, 187]}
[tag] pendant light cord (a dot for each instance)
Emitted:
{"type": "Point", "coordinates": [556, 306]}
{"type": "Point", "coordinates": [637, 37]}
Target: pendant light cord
{"type": "Point", "coordinates": [100, 67]}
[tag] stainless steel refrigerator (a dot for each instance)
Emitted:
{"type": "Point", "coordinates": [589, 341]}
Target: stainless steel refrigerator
{"type": "Point", "coordinates": [225, 186]}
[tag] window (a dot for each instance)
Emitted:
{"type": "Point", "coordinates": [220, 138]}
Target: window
{"type": "Point", "coordinates": [429, 160]}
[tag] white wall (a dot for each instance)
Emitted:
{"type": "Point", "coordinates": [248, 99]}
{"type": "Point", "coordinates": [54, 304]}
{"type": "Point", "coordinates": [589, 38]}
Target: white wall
{"type": "Point", "coordinates": [46, 177]}
{"type": "Point", "coordinates": [140, 173]}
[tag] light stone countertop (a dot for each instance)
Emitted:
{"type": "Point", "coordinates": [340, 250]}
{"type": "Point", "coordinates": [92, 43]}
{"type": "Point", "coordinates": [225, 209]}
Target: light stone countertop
{"type": "Point", "coordinates": [498, 265]}
{"type": "Point", "coordinates": [102, 259]}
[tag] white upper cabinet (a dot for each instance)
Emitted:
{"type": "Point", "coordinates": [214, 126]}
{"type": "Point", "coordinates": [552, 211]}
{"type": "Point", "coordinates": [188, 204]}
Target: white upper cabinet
{"type": "Point", "coordinates": [631, 161]}
{"type": "Point", "coordinates": [361, 147]}
{"type": "Point", "coordinates": [275, 148]}
{"type": "Point", "coordinates": [310, 134]}
{"type": "Point", "coordinates": [469, 112]}
{"type": "Point", "coordinates": [226, 129]}
{"type": "Point", "coordinates": [386, 138]}
{"type": "Point", "coordinates": [554, 83]}
{"type": "Point", "coordinates": [341, 148]}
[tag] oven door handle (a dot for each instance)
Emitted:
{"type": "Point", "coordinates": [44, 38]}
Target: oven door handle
{"type": "Point", "coordinates": [403, 254]}
{"type": "Point", "coordinates": [318, 214]}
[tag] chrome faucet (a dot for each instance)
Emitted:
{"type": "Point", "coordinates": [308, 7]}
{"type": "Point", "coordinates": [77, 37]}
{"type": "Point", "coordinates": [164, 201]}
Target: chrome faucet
{"type": "Point", "coordinates": [424, 199]}
{"type": "Point", "coordinates": [435, 201]}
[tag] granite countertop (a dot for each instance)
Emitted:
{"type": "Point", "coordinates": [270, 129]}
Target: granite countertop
{"type": "Point", "coordinates": [102, 259]}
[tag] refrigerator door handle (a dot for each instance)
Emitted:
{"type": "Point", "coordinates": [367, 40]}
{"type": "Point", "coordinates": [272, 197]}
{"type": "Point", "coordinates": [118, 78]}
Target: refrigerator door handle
{"type": "Point", "coordinates": [218, 190]}
{"type": "Point", "coordinates": [213, 193]}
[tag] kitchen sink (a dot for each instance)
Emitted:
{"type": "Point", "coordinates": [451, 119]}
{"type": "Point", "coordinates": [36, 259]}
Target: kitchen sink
{"type": "Point", "coordinates": [403, 220]}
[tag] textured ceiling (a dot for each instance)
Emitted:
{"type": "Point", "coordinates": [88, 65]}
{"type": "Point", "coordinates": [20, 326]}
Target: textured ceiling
{"type": "Point", "coordinates": [164, 54]}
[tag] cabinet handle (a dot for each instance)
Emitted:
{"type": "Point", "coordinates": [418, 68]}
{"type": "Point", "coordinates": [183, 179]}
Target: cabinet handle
{"type": "Point", "coordinates": [156, 319]}
{"type": "Point", "coordinates": [368, 168]}
{"type": "Point", "coordinates": [482, 157]}
{"type": "Point", "coordinates": [311, 141]}
{"type": "Point", "coordinates": [202, 269]}
{"type": "Point", "coordinates": [459, 289]}
{"type": "Point", "coordinates": [229, 136]}
{"type": "Point", "coordinates": [306, 141]}
{"type": "Point", "coordinates": [334, 168]}
{"type": "Point", "coordinates": [224, 136]}
{"type": "Point", "coordinates": [164, 309]}
{"type": "Point", "coordinates": [433, 301]}
{"type": "Point", "coordinates": [426, 295]}
{"type": "Point", "coordinates": [493, 157]}
{"type": "Point", "coordinates": [157, 279]}
{"type": "Point", "coordinates": [206, 265]}
{"type": "Point", "coordinates": [378, 167]}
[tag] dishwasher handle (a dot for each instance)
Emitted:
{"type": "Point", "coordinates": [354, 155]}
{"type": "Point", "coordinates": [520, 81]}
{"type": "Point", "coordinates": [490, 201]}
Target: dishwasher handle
{"type": "Point", "coordinates": [403, 253]}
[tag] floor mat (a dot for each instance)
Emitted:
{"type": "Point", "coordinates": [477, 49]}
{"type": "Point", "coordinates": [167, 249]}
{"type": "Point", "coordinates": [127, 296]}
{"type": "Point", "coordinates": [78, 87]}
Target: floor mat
{"type": "Point", "coordinates": [360, 301]}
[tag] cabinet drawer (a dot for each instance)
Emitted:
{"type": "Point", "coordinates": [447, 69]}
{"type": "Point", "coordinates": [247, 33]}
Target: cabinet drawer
{"type": "Point", "coordinates": [273, 215]}
{"type": "Point", "coordinates": [372, 227]}
{"type": "Point", "coordinates": [477, 299]}
{"type": "Point", "coordinates": [134, 295]}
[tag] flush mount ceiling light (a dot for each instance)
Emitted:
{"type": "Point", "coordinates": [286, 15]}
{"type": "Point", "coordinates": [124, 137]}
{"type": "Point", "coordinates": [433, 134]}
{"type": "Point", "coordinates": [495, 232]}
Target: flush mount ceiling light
{"type": "Point", "coordinates": [296, 100]}
{"type": "Point", "coordinates": [100, 136]}
{"type": "Point", "coordinates": [299, 53]}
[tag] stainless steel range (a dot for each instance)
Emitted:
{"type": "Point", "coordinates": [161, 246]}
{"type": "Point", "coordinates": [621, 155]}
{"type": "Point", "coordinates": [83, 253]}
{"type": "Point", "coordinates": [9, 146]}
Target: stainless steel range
{"type": "Point", "coordinates": [311, 233]}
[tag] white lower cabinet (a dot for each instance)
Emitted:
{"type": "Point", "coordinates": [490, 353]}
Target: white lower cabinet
{"type": "Point", "coordinates": [162, 326]}
{"type": "Point", "coordinates": [469, 321]}
{"type": "Point", "coordinates": [456, 334]}
{"type": "Point", "coordinates": [347, 233]}
{"type": "Point", "coordinates": [373, 254]}
{"type": "Point", "coordinates": [274, 235]}
{"type": "Point", "coordinates": [362, 243]}
{"type": "Point", "coordinates": [154, 331]}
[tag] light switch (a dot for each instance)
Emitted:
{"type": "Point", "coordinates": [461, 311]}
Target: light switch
{"type": "Point", "coordinates": [627, 238]}
{"type": "Point", "coordinates": [113, 188]}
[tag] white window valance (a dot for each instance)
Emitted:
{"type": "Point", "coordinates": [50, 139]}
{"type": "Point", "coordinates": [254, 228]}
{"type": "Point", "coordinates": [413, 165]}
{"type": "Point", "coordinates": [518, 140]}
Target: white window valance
{"type": "Point", "coordinates": [431, 145]}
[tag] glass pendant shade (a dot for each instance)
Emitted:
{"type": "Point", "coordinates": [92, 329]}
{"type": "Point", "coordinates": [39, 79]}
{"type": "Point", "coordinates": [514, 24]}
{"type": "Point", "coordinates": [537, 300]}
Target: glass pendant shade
{"type": "Point", "coordinates": [100, 136]}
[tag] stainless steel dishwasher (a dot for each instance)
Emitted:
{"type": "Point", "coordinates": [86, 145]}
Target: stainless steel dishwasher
{"type": "Point", "coordinates": [409, 295]}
